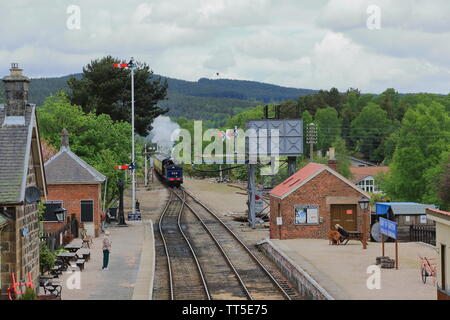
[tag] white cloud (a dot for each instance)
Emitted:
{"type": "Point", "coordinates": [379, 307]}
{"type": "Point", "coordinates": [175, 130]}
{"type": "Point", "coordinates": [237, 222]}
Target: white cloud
{"type": "Point", "coordinates": [310, 44]}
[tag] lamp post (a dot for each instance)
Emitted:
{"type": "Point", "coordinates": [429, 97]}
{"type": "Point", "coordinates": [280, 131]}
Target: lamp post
{"type": "Point", "coordinates": [364, 205]}
{"type": "Point", "coordinates": [60, 213]}
{"type": "Point", "coordinates": [121, 213]}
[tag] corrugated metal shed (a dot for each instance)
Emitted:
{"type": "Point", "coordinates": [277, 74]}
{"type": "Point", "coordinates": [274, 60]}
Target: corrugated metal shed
{"type": "Point", "coordinates": [402, 208]}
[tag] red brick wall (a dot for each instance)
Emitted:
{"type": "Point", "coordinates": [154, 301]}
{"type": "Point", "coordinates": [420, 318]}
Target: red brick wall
{"type": "Point", "coordinates": [53, 226]}
{"type": "Point", "coordinates": [324, 190]}
{"type": "Point", "coordinates": [71, 195]}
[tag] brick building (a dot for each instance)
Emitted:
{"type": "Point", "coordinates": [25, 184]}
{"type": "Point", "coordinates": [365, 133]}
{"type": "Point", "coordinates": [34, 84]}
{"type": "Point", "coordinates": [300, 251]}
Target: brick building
{"type": "Point", "coordinates": [74, 185]}
{"type": "Point", "coordinates": [21, 174]}
{"type": "Point", "coordinates": [309, 204]}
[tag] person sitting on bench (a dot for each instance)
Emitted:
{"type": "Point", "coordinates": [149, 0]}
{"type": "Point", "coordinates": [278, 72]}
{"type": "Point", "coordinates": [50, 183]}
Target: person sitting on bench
{"type": "Point", "coordinates": [344, 234]}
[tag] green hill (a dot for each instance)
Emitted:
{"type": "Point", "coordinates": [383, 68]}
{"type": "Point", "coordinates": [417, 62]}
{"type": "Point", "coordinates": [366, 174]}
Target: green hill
{"type": "Point", "coordinates": [212, 100]}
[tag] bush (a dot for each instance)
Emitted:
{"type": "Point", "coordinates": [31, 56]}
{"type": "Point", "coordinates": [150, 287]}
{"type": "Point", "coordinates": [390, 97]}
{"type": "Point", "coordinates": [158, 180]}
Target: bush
{"type": "Point", "coordinates": [30, 294]}
{"type": "Point", "coordinates": [46, 258]}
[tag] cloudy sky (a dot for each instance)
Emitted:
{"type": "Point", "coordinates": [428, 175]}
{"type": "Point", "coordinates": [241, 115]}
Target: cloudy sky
{"type": "Point", "coordinates": [297, 43]}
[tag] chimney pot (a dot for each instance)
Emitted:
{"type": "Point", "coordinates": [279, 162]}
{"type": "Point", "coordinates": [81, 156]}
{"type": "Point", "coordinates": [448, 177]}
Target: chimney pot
{"type": "Point", "coordinates": [332, 162]}
{"type": "Point", "coordinates": [16, 92]}
{"type": "Point", "coordinates": [64, 139]}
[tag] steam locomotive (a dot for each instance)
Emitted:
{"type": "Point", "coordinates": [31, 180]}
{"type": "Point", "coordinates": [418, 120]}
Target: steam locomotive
{"type": "Point", "coordinates": [169, 172]}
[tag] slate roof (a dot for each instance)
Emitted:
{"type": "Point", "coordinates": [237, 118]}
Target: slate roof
{"type": "Point", "coordinates": [15, 144]}
{"type": "Point", "coordinates": [305, 174]}
{"type": "Point", "coordinates": [66, 167]}
{"type": "Point", "coordinates": [362, 162]}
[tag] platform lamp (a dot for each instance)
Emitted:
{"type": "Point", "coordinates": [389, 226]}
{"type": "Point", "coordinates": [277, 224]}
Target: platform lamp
{"type": "Point", "coordinates": [60, 213]}
{"type": "Point", "coordinates": [364, 205]}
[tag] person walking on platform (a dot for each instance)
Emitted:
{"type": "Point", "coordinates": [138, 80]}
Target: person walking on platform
{"type": "Point", "coordinates": [106, 250]}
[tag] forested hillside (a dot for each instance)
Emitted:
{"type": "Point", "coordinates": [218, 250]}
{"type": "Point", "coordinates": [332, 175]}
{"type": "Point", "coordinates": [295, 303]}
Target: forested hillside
{"type": "Point", "coordinates": [211, 100]}
{"type": "Point", "coordinates": [410, 133]}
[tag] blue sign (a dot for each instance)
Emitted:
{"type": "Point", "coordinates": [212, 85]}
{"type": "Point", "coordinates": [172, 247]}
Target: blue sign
{"type": "Point", "coordinates": [388, 228]}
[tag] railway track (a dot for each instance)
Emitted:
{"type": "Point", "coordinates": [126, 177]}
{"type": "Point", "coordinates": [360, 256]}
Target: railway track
{"type": "Point", "coordinates": [199, 258]}
{"type": "Point", "coordinates": [186, 279]}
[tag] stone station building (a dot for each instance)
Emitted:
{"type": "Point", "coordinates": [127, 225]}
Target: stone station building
{"type": "Point", "coordinates": [22, 183]}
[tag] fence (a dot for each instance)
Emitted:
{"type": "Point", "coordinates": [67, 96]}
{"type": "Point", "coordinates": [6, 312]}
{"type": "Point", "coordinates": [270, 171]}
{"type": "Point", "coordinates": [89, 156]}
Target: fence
{"type": "Point", "coordinates": [56, 240]}
{"type": "Point", "coordinates": [425, 234]}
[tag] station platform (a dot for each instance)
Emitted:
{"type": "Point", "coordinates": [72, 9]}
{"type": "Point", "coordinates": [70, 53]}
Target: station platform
{"type": "Point", "coordinates": [131, 268]}
{"type": "Point", "coordinates": [340, 272]}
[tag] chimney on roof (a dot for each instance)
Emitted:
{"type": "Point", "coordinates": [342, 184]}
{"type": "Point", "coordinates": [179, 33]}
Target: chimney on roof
{"type": "Point", "coordinates": [332, 162]}
{"type": "Point", "coordinates": [64, 140]}
{"type": "Point", "coordinates": [16, 92]}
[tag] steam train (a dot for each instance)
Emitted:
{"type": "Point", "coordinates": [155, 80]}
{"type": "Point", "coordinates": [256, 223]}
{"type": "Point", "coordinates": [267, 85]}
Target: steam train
{"type": "Point", "coordinates": [169, 172]}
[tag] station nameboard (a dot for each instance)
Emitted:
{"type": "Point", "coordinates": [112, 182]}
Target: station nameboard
{"type": "Point", "coordinates": [388, 228]}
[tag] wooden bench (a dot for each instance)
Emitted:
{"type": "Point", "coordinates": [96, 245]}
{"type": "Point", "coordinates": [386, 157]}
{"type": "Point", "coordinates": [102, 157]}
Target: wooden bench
{"type": "Point", "coordinates": [80, 264]}
{"type": "Point", "coordinates": [56, 271]}
{"type": "Point", "coordinates": [52, 288]}
{"type": "Point", "coordinates": [353, 235]}
{"type": "Point", "coordinates": [84, 254]}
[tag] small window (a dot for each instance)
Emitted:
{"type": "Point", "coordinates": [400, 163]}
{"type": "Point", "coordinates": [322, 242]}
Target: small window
{"type": "Point", "coordinates": [305, 215]}
{"type": "Point", "coordinates": [87, 210]}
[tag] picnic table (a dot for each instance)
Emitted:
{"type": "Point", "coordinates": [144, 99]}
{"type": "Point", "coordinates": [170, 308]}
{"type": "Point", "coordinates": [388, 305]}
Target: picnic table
{"type": "Point", "coordinates": [66, 257]}
{"type": "Point", "coordinates": [85, 253]}
{"type": "Point", "coordinates": [50, 286]}
{"type": "Point", "coordinates": [74, 247]}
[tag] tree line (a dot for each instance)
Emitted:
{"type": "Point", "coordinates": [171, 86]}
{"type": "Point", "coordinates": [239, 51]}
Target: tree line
{"type": "Point", "coordinates": [410, 133]}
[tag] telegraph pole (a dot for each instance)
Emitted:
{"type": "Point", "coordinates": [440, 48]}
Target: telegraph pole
{"type": "Point", "coordinates": [311, 138]}
{"type": "Point", "coordinates": [131, 65]}
{"type": "Point", "coordinates": [145, 166]}
{"type": "Point", "coordinates": [133, 206]}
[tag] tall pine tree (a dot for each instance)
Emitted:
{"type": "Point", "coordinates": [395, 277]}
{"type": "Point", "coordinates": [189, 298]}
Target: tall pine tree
{"type": "Point", "coordinates": [104, 89]}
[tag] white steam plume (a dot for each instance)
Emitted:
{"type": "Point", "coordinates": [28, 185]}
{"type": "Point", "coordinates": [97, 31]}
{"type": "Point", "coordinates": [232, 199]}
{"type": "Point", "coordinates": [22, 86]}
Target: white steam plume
{"type": "Point", "coordinates": [162, 130]}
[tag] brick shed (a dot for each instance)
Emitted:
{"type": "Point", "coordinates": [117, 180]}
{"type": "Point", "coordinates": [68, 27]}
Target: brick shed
{"type": "Point", "coordinates": [312, 201]}
{"type": "Point", "coordinates": [74, 185]}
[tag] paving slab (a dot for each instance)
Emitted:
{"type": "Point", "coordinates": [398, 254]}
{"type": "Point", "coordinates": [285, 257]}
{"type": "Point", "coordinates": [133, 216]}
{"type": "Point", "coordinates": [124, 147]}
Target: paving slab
{"type": "Point", "coordinates": [119, 281]}
{"type": "Point", "coordinates": [342, 270]}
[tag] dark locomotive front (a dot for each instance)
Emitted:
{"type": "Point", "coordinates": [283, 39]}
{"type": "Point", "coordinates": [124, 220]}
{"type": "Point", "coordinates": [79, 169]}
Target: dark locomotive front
{"type": "Point", "coordinates": [169, 172]}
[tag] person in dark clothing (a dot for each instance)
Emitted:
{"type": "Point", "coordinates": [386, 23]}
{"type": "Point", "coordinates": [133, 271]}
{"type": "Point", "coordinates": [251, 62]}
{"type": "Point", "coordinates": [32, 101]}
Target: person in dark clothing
{"type": "Point", "coordinates": [106, 250]}
{"type": "Point", "coordinates": [344, 234]}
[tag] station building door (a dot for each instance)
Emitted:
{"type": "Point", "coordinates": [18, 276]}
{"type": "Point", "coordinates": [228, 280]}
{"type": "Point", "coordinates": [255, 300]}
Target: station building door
{"type": "Point", "coordinates": [345, 215]}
